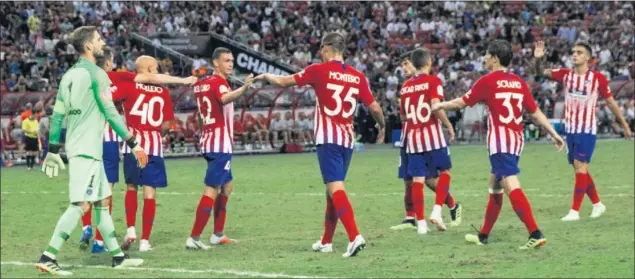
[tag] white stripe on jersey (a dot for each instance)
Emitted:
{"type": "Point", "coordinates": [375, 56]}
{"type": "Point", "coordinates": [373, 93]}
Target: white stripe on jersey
{"type": "Point", "coordinates": [580, 110]}
{"type": "Point", "coordinates": [110, 135]}
{"type": "Point", "coordinates": [510, 141]}
{"type": "Point", "coordinates": [426, 138]}
{"type": "Point", "coordinates": [150, 141]}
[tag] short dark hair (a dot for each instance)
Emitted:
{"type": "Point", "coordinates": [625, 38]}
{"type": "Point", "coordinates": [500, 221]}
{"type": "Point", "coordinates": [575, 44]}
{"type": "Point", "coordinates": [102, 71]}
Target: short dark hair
{"type": "Point", "coordinates": [405, 56]}
{"type": "Point", "coordinates": [81, 36]}
{"type": "Point", "coordinates": [419, 57]}
{"type": "Point", "coordinates": [501, 49]}
{"type": "Point", "coordinates": [106, 56]}
{"type": "Point", "coordinates": [219, 51]}
{"type": "Point", "coordinates": [585, 46]}
{"type": "Point", "coordinates": [335, 41]}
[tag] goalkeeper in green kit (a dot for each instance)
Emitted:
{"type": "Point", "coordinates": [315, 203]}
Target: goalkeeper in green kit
{"type": "Point", "coordinates": [84, 99]}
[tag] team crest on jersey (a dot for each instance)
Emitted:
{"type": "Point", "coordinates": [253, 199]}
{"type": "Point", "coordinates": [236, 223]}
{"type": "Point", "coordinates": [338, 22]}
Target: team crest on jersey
{"type": "Point", "coordinates": [223, 89]}
{"type": "Point", "coordinates": [440, 90]}
{"type": "Point", "coordinates": [107, 94]}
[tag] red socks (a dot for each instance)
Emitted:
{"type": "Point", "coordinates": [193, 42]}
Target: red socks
{"type": "Point", "coordinates": [579, 190]}
{"type": "Point", "coordinates": [449, 201]}
{"type": "Point", "coordinates": [443, 186]}
{"type": "Point", "coordinates": [98, 234]}
{"type": "Point", "coordinates": [407, 202]}
{"type": "Point", "coordinates": [220, 213]}
{"type": "Point", "coordinates": [204, 210]}
{"type": "Point", "coordinates": [330, 221]}
{"type": "Point", "coordinates": [523, 209]}
{"type": "Point", "coordinates": [149, 209]}
{"type": "Point", "coordinates": [131, 208]}
{"type": "Point", "coordinates": [87, 218]}
{"type": "Point", "coordinates": [591, 191]}
{"type": "Point", "coordinates": [417, 200]}
{"type": "Point", "coordinates": [345, 213]}
{"type": "Point", "coordinates": [492, 211]}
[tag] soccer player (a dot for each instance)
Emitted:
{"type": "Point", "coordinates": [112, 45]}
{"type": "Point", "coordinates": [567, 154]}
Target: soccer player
{"type": "Point", "coordinates": [84, 98]}
{"type": "Point", "coordinates": [505, 94]}
{"type": "Point", "coordinates": [582, 87]}
{"type": "Point", "coordinates": [215, 112]}
{"type": "Point", "coordinates": [111, 140]}
{"type": "Point", "coordinates": [149, 112]}
{"type": "Point", "coordinates": [432, 174]}
{"type": "Point", "coordinates": [338, 87]}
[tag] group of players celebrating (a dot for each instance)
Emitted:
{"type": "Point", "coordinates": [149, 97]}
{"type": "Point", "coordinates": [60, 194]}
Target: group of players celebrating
{"type": "Point", "coordinates": [87, 91]}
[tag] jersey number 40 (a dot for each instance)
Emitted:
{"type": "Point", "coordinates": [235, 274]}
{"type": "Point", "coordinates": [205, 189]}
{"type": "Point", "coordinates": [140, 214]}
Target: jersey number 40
{"type": "Point", "coordinates": [145, 110]}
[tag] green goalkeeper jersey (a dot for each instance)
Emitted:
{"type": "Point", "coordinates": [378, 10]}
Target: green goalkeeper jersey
{"type": "Point", "coordinates": [85, 99]}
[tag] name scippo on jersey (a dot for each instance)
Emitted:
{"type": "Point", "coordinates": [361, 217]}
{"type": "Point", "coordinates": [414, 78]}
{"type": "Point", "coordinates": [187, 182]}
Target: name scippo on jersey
{"type": "Point", "coordinates": [149, 88]}
{"type": "Point", "coordinates": [344, 77]}
{"type": "Point", "coordinates": [414, 88]}
{"type": "Point", "coordinates": [201, 88]}
{"type": "Point", "coordinates": [508, 84]}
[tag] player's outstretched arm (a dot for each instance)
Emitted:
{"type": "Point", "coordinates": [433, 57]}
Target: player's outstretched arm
{"type": "Point", "coordinates": [378, 114]}
{"type": "Point", "coordinates": [620, 117]}
{"type": "Point", "coordinates": [283, 81]}
{"type": "Point", "coordinates": [164, 79]}
{"type": "Point", "coordinates": [53, 162]}
{"type": "Point", "coordinates": [232, 96]}
{"type": "Point", "coordinates": [444, 118]}
{"type": "Point", "coordinates": [539, 53]}
{"type": "Point", "coordinates": [455, 104]}
{"type": "Point", "coordinates": [542, 120]}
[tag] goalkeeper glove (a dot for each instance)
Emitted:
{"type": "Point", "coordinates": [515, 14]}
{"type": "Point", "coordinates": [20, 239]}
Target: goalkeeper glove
{"type": "Point", "coordinates": [138, 152]}
{"type": "Point", "coordinates": [53, 162]}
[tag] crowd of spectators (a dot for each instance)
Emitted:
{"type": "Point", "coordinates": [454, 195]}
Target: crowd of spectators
{"type": "Point", "coordinates": [35, 53]}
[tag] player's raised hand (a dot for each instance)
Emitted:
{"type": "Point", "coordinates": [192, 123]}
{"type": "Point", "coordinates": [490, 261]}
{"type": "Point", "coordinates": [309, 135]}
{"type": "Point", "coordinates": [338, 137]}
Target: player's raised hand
{"type": "Point", "coordinates": [52, 163]}
{"type": "Point", "coordinates": [191, 80]}
{"type": "Point", "coordinates": [559, 142]}
{"type": "Point", "coordinates": [261, 77]}
{"type": "Point", "coordinates": [436, 106]}
{"type": "Point", "coordinates": [539, 50]}
{"type": "Point", "coordinates": [249, 80]}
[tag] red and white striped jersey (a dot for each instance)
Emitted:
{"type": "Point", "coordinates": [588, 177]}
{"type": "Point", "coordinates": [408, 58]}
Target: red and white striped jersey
{"type": "Point", "coordinates": [581, 93]}
{"type": "Point", "coordinates": [422, 129]}
{"type": "Point", "coordinates": [217, 135]}
{"type": "Point", "coordinates": [505, 95]}
{"type": "Point", "coordinates": [337, 87]}
{"type": "Point", "coordinates": [146, 108]}
{"type": "Point", "coordinates": [110, 135]}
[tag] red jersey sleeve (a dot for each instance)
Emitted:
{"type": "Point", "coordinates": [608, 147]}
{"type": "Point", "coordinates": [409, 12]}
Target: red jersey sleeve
{"type": "Point", "coordinates": [168, 109]}
{"type": "Point", "coordinates": [306, 76]}
{"type": "Point", "coordinates": [116, 77]}
{"type": "Point", "coordinates": [529, 104]}
{"type": "Point", "coordinates": [364, 92]}
{"type": "Point", "coordinates": [477, 94]}
{"type": "Point", "coordinates": [558, 74]}
{"type": "Point", "coordinates": [437, 89]}
{"type": "Point", "coordinates": [603, 87]}
{"type": "Point", "coordinates": [120, 89]}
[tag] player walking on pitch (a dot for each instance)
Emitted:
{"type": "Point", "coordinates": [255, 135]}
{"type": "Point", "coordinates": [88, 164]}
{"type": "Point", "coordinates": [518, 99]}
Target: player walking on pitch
{"type": "Point", "coordinates": [582, 89]}
{"type": "Point", "coordinates": [337, 87]}
{"type": "Point", "coordinates": [84, 98]}
{"type": "Point", "coordinates": [432, 175]}
{"type": "Point", "coordinates": [216, 118]}
{"type": "Point", "coordinates": [425, 145]}
{"type": "Point", "coordinates": [149, 112]}
{"type": "Point", "coordinates": [111, 140]}
{"type": "Point", "coordinates": [505, 94]}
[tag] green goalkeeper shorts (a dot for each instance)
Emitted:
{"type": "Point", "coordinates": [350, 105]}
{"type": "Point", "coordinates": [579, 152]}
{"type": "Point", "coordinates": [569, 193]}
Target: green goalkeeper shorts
{"type": "Point", "coordinates": [87, 180]}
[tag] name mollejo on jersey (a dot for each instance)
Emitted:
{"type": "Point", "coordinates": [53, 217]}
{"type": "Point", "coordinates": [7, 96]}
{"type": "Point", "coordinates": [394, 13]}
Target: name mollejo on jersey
{"type": "Point", "coordinates": [344, 77]}
{"type": "Point", "coordinates": [148, 88]}
{"type": "Point", "coordinates": [201, 88]}
{"type": "Point", "coordinates": [415, 88]}
{"type": "Point", "coordinates": [509, 84]}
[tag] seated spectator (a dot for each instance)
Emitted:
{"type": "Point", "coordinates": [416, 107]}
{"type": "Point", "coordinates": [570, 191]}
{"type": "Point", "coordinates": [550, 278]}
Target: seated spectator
{"type": "Point", "coordinates": [239, 131]}
{"type": "Point", "coordinates": [261, 126]}
{"type": "Point", "coordinates": [292, 132]}
{"type": "Point", "coordinates": [304, 129]}
{"type": "Point", "coordinates": [252, 129]}
{"type": "Point", "coordinates": [278, 130]}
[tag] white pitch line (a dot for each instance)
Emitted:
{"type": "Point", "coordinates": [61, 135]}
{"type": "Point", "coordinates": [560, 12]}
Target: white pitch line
{"type": "Point", "coordinates": [387, 194]}
{"type": "Point", "coordinates": [177, 270]}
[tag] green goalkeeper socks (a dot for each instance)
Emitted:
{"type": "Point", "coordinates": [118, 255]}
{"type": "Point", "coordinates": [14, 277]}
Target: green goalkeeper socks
{"type": "Point", "coordinates": [63, 229]}
{"type": "Point", "coordinates": [107, 229]}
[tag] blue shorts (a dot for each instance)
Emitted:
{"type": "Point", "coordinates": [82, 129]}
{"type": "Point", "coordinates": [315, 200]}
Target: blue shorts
{"type": "Point", "coordinates": [437, 160]}
{"type": "Point", "coordinates": [504, 165]}
{"type": "Point", "coordinates": [111, 161]}
{"type": "Point", "coordinates": [152, 175]}
{"type": "Point", "coordinates": [219, 169]}
{"type": "Point", "coordinates": [334, 161]}
{"type": "Point", "coordinates": [416, 165]}
{"type": "Point", "coordinates": [580, 147]}
{"type": "Point", "coordinates": [403, 164]}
